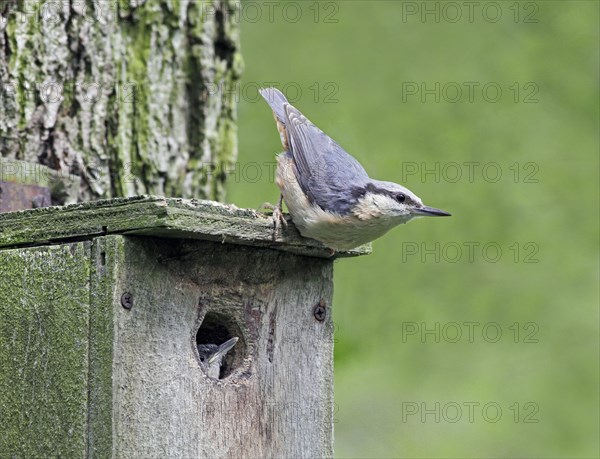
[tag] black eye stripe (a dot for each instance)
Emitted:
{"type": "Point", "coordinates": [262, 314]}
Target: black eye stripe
{"type": "Point", "coordinates": [359, 192]}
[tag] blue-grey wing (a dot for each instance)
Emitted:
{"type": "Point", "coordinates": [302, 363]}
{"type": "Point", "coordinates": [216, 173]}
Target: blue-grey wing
{"type": "Point", "coordinates": [326, 172]}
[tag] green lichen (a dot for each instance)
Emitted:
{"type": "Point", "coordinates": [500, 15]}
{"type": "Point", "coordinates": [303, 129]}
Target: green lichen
{"type": "Point", "coordinates": [44, 320]}
{"type": "Point", "coordinates": [137, 53]}
{"type": "Point", "coordinates": [18, 64]}
{"type": "Point", "coordinates": [106, 257]}
{"type": "Point", "coordinates": [125, 145]}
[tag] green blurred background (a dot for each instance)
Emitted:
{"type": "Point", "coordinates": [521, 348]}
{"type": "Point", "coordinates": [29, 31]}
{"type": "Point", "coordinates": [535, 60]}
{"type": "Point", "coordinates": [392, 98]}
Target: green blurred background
{"type": "Point", "coordinates": [348, 69]}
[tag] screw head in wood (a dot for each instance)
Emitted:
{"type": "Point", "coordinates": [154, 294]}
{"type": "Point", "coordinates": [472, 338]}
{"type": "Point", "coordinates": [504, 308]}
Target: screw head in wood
{"type": "Point", "coordinates": [127, 300]}
{"type": "Point", "coordinates": [320, 311]}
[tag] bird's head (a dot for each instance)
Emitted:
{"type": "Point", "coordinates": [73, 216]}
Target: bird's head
{"type": "Point", "coordinates": [393, 203]}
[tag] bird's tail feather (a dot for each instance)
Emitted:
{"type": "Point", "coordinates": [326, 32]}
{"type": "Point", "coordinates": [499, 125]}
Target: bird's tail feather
{"type": "Point", "coordinates": [277, 101]}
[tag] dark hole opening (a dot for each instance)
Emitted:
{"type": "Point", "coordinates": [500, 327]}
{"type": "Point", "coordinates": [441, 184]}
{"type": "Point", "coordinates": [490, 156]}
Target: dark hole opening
{"type": "Point", "coordinates": [215, 330]}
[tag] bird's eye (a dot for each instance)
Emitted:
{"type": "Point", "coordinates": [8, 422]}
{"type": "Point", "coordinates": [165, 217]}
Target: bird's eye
{"type": "Point", "coordinates": [400, 197]}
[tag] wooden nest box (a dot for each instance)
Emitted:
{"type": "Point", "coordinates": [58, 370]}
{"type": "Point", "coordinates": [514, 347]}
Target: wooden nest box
{"type": "Point", "coordinates": [102, 305]}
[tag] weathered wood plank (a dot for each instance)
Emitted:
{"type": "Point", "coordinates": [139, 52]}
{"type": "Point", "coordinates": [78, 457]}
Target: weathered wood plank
{"type": "Point", "coordinates": [44, 319]}
{"type": "Point", "coordinates": [157, 216]}
{"type": "Point", "coordinates": [277, 398]}
{"type": "Point", "coordinates": [105, 252]}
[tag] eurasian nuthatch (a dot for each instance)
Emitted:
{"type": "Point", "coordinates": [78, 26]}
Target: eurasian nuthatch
{"type": "Point", "coordinates": [212, 355]}
{"type": "Point", "coordinates": [330, 196]}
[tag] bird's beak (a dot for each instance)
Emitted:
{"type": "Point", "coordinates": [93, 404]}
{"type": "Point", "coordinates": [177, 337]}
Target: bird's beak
{"type": "Point", "coordinates": [430, 212]}
{"type": "Point", "coordinates": [223, 349]}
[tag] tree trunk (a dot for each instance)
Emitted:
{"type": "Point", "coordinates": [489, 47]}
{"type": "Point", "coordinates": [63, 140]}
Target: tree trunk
{"type": "Point", "coordinates": [124, 98]}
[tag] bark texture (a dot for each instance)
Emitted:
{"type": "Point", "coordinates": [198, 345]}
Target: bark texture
{"type": "Point", "coordinates": [124, 97]}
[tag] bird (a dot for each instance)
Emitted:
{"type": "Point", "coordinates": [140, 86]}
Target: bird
{"type": "Point", "coordinates": [329, 195]}
{"type": "Point", "coordinates": [212, 355]}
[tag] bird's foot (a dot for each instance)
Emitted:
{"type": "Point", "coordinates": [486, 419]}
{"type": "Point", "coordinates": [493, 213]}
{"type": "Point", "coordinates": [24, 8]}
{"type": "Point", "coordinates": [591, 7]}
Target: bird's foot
{"type": "Point", "coordinates": [278, 217]}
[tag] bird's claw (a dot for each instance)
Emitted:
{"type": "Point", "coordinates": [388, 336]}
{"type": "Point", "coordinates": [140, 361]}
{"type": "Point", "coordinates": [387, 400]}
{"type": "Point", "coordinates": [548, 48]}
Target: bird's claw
{"type": "Point", "coordinates": [278, 217]}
